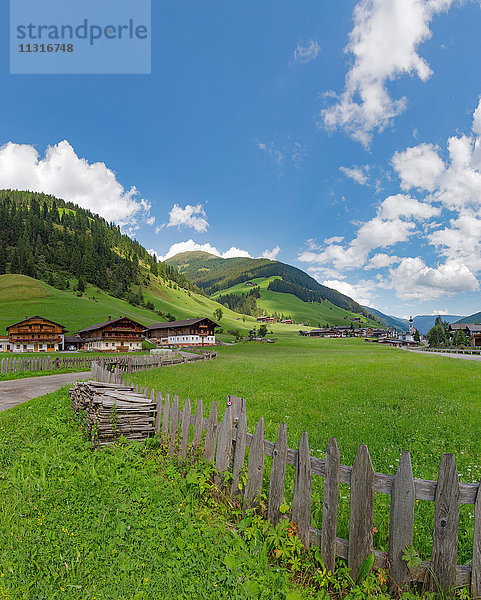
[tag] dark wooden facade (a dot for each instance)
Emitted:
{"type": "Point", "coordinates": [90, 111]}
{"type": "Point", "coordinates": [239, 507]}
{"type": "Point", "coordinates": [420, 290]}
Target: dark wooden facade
{"type": "Point", "coordinates": [36, 334]}
{"type": "Point", "coordinates": [115, 335]}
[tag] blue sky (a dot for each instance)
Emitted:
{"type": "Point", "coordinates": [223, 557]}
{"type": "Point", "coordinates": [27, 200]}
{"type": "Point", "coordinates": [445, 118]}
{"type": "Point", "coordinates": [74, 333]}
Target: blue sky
{"type": "Point", "coordinates": [340, 137]}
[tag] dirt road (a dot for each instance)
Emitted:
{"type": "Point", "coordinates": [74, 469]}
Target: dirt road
{"type": "Point", "coordinates": [17, 391]}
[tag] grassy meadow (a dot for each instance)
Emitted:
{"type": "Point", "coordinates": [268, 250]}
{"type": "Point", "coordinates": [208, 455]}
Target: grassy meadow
{"type": "Point", "coordinates": [309, 313]}
{"type": "Point", "coordinates": [122, 523]}
{"type": "Point", "coordinates": [389, 399]}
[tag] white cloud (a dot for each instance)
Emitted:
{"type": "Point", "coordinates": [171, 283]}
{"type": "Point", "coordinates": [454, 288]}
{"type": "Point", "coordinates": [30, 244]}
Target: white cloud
{"type": "Point", "coordinates": [381, 260]}
{"type": "Point", "coordinates": [384, 43]}
{"type": "Point", "coordinates": [335, 239]}
{"type": "Point", "coordinates": [190, 216]}
{"type": "Point", "coordinates": [419, 167]}
{"type": "Point", "coordinates": [401, 205]}
{"type": "Point", "coordinates": [271, 254]}
{"type": "Point", "coordinates": [361, 292]}
{"type": "Point", "coordinates": [63, 174]}
{"type": "Point", "coordinates": [443, 311]}
{"type": "Point", "coordinates": [356, 173]}
{"type": "Point", "coordinates": [191, 246]}
{"type": "Point", "coordinates": [413, 279]}
{"type": "Point", "coordinates": [306, 53]}
{"type": "Point", "coordinates": [376, 233]}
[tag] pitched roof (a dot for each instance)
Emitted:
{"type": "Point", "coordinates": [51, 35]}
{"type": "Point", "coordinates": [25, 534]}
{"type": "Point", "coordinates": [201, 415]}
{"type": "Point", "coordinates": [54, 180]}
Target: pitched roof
{"type": "Point", "coordinates": [174, 324]}
{"type": "Point", "coordinates": [99, 325]}
{"type": "Point", "coordinates": [36, 317]}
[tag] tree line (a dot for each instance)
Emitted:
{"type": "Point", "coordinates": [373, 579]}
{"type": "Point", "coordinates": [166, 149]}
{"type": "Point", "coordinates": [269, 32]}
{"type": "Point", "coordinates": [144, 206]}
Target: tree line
{"type": "Point", "coordinates": [46, 238]}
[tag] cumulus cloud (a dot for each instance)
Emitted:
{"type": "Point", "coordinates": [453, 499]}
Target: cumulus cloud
{"type": "Point", "coordinates": [381, 260]}
{"type": "Point", "coordinates": [401, 205]}
{"type": "Point", "coordinates": [384, 44]}
{"type": "Point", "coordinates": [306, 53]}
{"type": "Point", "coordinates": [62, 173]}
{"type": "Point", "coordinates": [190, 216]}
{"type": "Point", "coordinates": [191, 246]}
{"type": "Point", "coordinates": [271, 254]}
{"type": "Point", "coordinates": [413, 279]}
{"type": "Point", "coordinates": [419, 167]}
{"type": "Point", "coordinates": [361, 292]}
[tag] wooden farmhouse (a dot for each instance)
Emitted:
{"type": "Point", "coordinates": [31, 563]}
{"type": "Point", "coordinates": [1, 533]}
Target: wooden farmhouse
{"type": "Point", "coordinates": [191, 332]}
{"type": "Point", "coordinates": [470, 330]}
{"type": "Point", "coordinates": [35, 334]}
{"type": "Point", "coordinates": [115, 335]}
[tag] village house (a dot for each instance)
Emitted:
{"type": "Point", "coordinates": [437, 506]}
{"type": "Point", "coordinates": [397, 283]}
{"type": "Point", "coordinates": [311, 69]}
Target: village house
{"type": "Point", "coordinates": [287, 321]}
{"type": "Point", "coordinates": [5, 345]}
{"type": "Point", "coordinates": [190, 332]}
{"type": "Point", "coordinates": [470, 330]}
{"type": "Point", "coordinates": [266, 319]}
{"type": "Point", "coordinates": [35, 334]}
{"type": "Point", "coordinates": [115, 335]}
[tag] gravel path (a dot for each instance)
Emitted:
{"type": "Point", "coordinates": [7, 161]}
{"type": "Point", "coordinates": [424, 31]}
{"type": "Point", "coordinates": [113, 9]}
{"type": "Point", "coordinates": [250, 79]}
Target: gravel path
{"type": "Point", "coordinates": [445, 354]}
{"type": "Point", "coordinates": [17, 391]}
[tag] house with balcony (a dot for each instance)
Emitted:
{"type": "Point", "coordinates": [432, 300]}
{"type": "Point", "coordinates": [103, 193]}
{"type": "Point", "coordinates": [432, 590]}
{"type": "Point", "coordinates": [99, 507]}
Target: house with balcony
{"type": "Point", "coordinates": [115, 335]}
{"type": "Point", "coordinates": [35, 334]}
{"type": "Point", "coordinates": [190, 332]}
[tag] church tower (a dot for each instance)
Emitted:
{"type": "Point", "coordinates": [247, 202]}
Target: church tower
{"type": "Point", "coordinates": [411, 326]}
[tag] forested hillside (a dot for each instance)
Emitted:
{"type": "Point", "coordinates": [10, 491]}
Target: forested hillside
{"type": "Point", "coordinates": [48, 239]}
{"type": "Point", "coordinates": [212, 274]}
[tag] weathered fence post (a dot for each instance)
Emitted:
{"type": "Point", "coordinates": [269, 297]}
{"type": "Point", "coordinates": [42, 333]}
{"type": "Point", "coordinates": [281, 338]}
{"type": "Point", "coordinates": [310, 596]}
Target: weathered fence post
{"type": "Point", "coordinates": [224, 443]}
{"type": "Point", "coordinates": [211, 434]}
{"type": "Point", "coordinates": [476, 572]}
{"type": "Point", "coordinates": [278, 475]}
{"type": "Point", "coordinates": [361, 516]}
{"type": "Point", "coordinates": [165, 419]}
{"type": "Point", "coordinates": [255, 467]}
{"type": "Point", "coordinates": [239, 452]}
{"type": "Point", "coordinates": [301, 504]}
{"type": "Point", "coordinates": [199, 422]}
{"type": "Point", "coordinates": [158, 413]}
{"type": "Point", "coordinates": [402, 521]}
{"type": "Point", "coordinates": [446, 523]}
{"type": "Point", "coordinates": [330, 505]}
{"type": "Point", "coordinates": [185, 429]}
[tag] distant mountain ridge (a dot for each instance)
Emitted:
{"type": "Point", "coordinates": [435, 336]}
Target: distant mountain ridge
{"type": "Point", "coordinates": [423, 323]}
{"type": "Point", "coordinates": [474, 318]}
{"type": "Point", "coordinates": [212, 273]}
{"type": "Point", "coordinates": [389, 320]}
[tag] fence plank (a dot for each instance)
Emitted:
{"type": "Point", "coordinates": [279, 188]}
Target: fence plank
{"type": "Point", "coordinates": [185, 430]}
{"type": "Point", "coordinates": [361, 516]}
{"type": "Point", "coordinates": [211, 434]}
{"type": "Point", "coordinates": [476, 573]}
{"type": "Point", "coordinates": [401, 521]}
{"type": "Point", "coordinates": [240, 451]}
{"type": "Point", "coordinates": [330, 505]}
{"type": "Point", "coordinates": [278, 475]}
{"type": "Point", "coordinates": [174, 423]}
{"type": "Point", "coordinates": [158, 413]}
{"type": "Point", "coordinates": [446, 522]}
{"type": "Point", "coordinates": [166, 418]}
{"type": "Point", "coordinates": [255, 467]}
{"type": "Point", "coordinates": [224, 443]}
{"type": "Point", "coordinates": [301, 504]}
{"type": "Point", "coordinates": [199, 419]}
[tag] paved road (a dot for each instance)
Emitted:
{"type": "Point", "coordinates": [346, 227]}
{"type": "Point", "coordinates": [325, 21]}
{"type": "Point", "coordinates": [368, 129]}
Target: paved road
{"type": "Point", "coordinates": [17, 391]}
{"type": "Point", "coordinates": [446, 354]}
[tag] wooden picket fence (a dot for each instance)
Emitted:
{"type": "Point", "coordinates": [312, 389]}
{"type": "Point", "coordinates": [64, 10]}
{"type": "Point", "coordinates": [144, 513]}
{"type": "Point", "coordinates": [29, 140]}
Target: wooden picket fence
{"type": "Point", "coordinates": [225, 443]}
{"type": "Point", "coordinates": [43, 363]}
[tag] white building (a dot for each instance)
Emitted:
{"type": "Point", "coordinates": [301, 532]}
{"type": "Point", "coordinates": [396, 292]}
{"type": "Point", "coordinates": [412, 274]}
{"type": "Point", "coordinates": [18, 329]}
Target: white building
{"type": "Point", "coordinates": [191, 332]}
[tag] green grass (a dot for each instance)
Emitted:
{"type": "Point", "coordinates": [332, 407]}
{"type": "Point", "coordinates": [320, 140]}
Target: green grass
{"type": "Point", "coordinates": [387, 398]}
{"type": "Point", "coordinates": [120, 524]}
{"type": "Point", "coordinates": [22, 296]}
{"type": "Point", "coordinates": [309, 313]}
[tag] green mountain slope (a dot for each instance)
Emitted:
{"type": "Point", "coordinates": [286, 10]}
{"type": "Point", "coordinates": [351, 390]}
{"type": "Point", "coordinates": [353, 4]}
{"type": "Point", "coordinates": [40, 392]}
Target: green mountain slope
{"type": "Point", "coordinates": [474, 318]}
{"type": "Point", "coordinates": [309, 313]}
{"type": "Point", "coordinates": [22, 296]}
{"type": "Point", "coordinates": [214, 274]}
{"type": "Point", "coordinates": [389, 320]}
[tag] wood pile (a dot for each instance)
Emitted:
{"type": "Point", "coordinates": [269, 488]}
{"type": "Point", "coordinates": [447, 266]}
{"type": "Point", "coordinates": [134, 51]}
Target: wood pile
{"type": "Point", "coordinates": [111, 410]}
